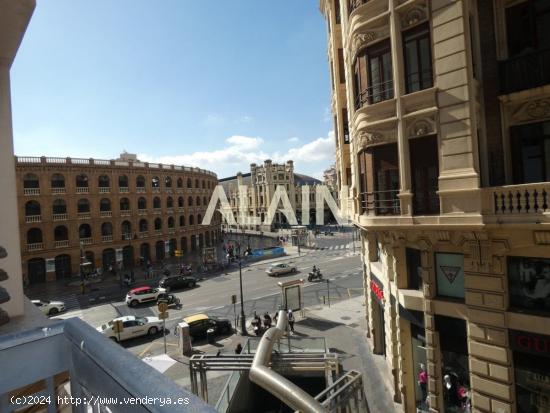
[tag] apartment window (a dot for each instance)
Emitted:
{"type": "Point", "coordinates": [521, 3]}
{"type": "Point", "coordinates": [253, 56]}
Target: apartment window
{"type": "Point", "coordinates": [414, 269]}
{"type": "Point", "coordinates": [337, 14]}
{"type": "Point", "coordinates": [529, 284]}
{"type": "Point", "coordinates": [380, 72]}
{"type": "Point", "coordinates": [531, 152]}
{"type": "Point", "coordinates": [527, 27]}
{"type": "Point", "coordinates": [346, 125]}
{"type": "Point", "coordinates": [450, 275]}
{"type": "Point", "coordinates": [376, 62]}
{"type": "Point", "coordinates": [425, 174]}
{"type": "Point", "coordinates": [418, 58]}
{"type": "Point", "coordinates": [341, 66]}
{"type": "Point", "coordinates": [336, 131]}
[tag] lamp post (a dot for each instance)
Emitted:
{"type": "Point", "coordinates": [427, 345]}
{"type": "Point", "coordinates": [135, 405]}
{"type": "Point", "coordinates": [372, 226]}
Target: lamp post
{"type": "Point", "coordinates": [243, 317]}
{"type": "Point", "coordinates": [128, 237]}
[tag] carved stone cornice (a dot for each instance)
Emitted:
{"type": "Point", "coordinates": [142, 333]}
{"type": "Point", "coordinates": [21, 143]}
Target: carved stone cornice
{"type": "Point", "coordinates": [421, 126]}
{"type": "Point", "coordinates": [362, 39]}
{"type": "Point", "coordinates": [538, 109]}
{"type": "Point", "coordinates": [414, 15]}
{"type": "Point", "coordinates": [365, 139]}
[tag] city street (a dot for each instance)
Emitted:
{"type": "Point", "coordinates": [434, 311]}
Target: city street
{"type": "Point", "coordinates": [212, 294]}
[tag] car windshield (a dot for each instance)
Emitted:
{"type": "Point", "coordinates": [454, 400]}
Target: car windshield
{"type": "Point", "coordinates": [105, 326]}
{"type": "Point", "coordinates": [141, 320]}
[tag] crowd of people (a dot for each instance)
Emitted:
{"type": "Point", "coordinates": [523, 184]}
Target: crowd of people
{"type": "Point", "coordinates": [261, 325]}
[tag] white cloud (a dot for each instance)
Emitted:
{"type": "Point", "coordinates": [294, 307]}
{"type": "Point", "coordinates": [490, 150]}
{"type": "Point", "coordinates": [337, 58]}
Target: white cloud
{"type": "Point", "coordinates": [240, 151]}
{"type": "Point", "coordinates": [294, 139]}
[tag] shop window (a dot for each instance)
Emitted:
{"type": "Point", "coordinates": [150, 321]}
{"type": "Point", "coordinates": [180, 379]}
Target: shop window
{"type": "Point", "coordinates": [529, 284]}
{"type": "Point", "coordinates": [450, 275]}
{"type": "Point", "coordinates": [418, 341]}
{"type": "Point", "coordinates": [414, 269]}
{"type": "Point", "coordinates": [454, 363]}
{"type": "Point", "coordinates": [531, 354]}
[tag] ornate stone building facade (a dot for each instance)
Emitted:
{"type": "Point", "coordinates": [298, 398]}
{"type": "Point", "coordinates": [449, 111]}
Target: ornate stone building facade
{"type": "Point", "coordinates": [108, 212]}
{"type": "Point", "coordinates": [262, 182]}
{"type": "Point", "coordinates": [448, 106]}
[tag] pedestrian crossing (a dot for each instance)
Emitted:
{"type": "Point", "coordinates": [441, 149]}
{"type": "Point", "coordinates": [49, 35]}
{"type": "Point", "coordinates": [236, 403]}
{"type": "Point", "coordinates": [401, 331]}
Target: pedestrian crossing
{"type": "Point", "coordinates": [331, 247]}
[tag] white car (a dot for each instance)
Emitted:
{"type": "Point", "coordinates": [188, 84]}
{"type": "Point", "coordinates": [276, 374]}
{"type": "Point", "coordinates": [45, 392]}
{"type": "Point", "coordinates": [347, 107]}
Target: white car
{"type": "Point", "coordinates": [49, 307]}
{"type": "Point", "coordinates": [143, 294]}
{"type": "Point", "coordinates": [278, 269]}
{"type": "Point", "coordinates": [132, 327]}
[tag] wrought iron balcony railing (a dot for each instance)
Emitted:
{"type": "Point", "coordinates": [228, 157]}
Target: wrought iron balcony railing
{"type": "Point", "coordinates": [374, 94]}
{"type": "Point", "coordinates": [380, 202]}
{"type": "Point", "coordinates": [525, 72]}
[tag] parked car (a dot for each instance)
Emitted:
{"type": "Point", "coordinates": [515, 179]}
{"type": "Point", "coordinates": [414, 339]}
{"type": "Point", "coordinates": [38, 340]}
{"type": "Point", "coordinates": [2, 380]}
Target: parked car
{"type": "Point", "coordinates": [175, 282]}
{"type": "Point", "coordinates": [49, 307]}
{"type": "Point", "coordinates": [200, 323]}
{"type": "Point", "coordinates": [143, 294]}
{"type": "Point", "coordinates": [278, 269]}
{"type": "Point", "coordinates": [132, 327]}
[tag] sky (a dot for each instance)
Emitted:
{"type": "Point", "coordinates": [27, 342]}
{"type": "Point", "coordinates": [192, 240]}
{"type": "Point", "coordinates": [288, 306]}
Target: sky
{"type": "Point", "coordinates": [214, 84]}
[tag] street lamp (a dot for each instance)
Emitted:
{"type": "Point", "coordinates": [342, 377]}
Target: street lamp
{"type": "Point", "coordinates": [128, 237]}
{"type": "Point", "coordinates": [243, 317]}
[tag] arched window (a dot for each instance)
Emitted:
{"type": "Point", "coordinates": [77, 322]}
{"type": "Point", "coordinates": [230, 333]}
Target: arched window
{"type": "Point", "coordinates": [61, 233]}
{"type": "Point", "coordinates": [182, 221]}
{"type": "Point", "coordinates": [85, 231]}
{"type": "Point", "coordinates": [169, 202]}
{"type": "Point", "coordinates": [142, 225]}
{"type": "Point", "coordinates": [155, 182]}
{"type": "Point", "coordinates": [189, 183]}
{"type": "Point", "coordinates": [103, 181]}
{"type": "Point", "coordinates": [124, 204]}
{"type": "Point", "coordinates": [197, 183]}
{"type": "Point", "coordinates": [32, 208]}
{"type": "Point", "coordinates": [156, 202]}
{"type": "Point", "coordinates": [204, 201]}
{"type": "Point", "coordinates": [203, 184]}
{"type": "Point", "coordinates": [170, 222]}
{"type": "Point", "coordinates": [59, 207]}
{"type": "Point", "coordinates": [140, 181]}
{"type": "Point", "coordinates": [31, 181]}
{"type": "Point", "coordinates": [168, 182]}
{"type": "Point", "coordinates": [180, 202]}
{"type": "Point", "coordinates": [34, 236]}
{"type": "Point", "coordinates": [191, 220]}
{"type": "Point", "coordinates": [81, 181]}
{"type": "Point", "coordinates": [179, 183]}
{"type": "Point", "coordinates": [190, 201]}
{"type": "Point", "coordinates": [142, 203]}
{"type": "Point", "coordinates": [83, 205]}
{"type": "Point", "coordinates": [126, 229]}
{"type": "Point", "coordinates": [199, 219]}
{"type": "Point", "coordinates": [158, 223]}
{"type": "Point", "coordinates": [198, 200]}
{"type": "Point", "coordinates": [106, 229]}
{"type": "Point", "coordinates": [123, 181]}
{"type": "Point", "coordinates": [58, 181]}
{"type": "Point", "coordinates": [105, 205]}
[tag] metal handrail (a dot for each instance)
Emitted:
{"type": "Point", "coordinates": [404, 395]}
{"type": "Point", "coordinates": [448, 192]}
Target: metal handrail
{"type": "Point", "coordinates": [273, 382]}
{"type": "Point", "coordinates": [371, 95]}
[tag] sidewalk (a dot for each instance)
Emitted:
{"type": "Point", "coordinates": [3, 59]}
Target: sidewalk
{"type": "Point", "coordinates": [343, 326]}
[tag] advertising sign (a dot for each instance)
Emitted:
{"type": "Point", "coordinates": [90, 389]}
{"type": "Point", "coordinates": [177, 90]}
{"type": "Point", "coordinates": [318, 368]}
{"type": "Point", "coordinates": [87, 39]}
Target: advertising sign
{"type": "Point", "coordinates": [529, 283]}
{"type": "Point", "coordinates": [450, 274]}
{"type": "Point", "coordinates": [167, 246]}
{"type": "Point", "coordinates": [209, 255]}
{"type": "Point", "coordinates": [50, 265]}
{"type": "Point", "coordinates": [118, 255]}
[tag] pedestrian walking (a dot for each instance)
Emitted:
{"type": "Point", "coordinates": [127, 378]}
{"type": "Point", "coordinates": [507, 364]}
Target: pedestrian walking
{"type": "Point", "coordinates": [291, 320]}
{"type": "Point", "coordinates": [238, 349]}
